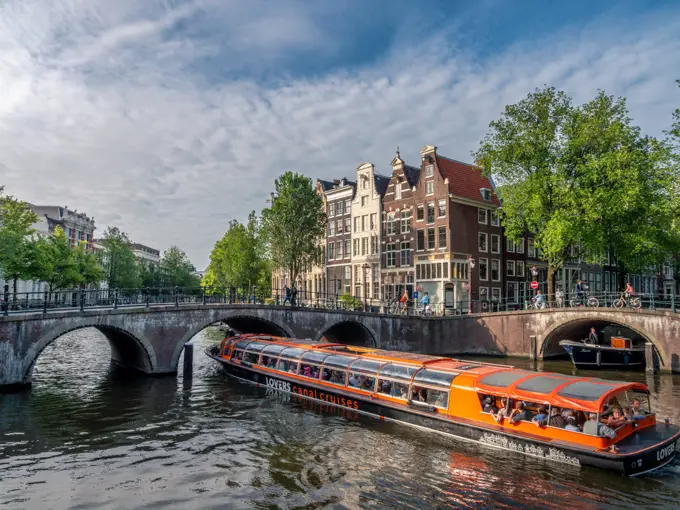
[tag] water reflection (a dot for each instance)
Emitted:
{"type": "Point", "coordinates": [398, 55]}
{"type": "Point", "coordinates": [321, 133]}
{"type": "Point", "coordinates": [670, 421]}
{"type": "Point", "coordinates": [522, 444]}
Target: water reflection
{"type": "Point", "coordinates": [90, 436]}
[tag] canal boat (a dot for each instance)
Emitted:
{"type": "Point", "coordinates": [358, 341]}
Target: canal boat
{"type": "Point", "coordinates": [459, 398]}
{"type": "Point", "coordinates": [620, 354]}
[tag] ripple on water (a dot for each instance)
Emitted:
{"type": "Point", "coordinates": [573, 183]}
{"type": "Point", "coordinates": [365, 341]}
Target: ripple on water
{"type": "Point", "coordinates": [88, 436]}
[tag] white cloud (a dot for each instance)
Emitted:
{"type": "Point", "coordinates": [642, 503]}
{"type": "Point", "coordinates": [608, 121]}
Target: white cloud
{"type": "Point", "coordinates": [106, 109]}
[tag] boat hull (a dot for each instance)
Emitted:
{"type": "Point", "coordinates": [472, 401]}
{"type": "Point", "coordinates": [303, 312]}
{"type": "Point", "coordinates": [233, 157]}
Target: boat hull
{"type": "Point", "coordinates": [600, 356]}
{"type": "Point", "coordinates": [629, 464]}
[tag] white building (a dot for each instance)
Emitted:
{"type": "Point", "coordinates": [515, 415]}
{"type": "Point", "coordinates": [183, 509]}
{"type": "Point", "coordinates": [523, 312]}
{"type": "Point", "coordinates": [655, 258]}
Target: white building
{"type": "Point", "coordinates": [146, 255]}
{"type": "Point", "coordinates": [366, 221]}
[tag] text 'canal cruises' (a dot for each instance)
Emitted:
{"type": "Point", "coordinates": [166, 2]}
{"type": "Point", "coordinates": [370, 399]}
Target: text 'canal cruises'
{"type": "Point", "coordinates": [572, 420]}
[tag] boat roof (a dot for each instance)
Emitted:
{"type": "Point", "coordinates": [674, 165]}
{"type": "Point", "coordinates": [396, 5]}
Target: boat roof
{"type": "Point", "coordinates": [583, 393]}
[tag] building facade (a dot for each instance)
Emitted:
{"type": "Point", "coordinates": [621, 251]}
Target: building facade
{"type": "Point", "coordinates": [339, 237]}
{"type": "Point", "coordinates": [366, 216]}
{"type": "Point", "coordinates": [146, 255]}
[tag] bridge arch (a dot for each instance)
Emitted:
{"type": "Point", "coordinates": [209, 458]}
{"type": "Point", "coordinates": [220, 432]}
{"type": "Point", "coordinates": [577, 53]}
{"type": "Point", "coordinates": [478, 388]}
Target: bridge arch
{"type": "Point", "coordinates": [576, 326]}
{"type": "Point", "coordinates": [127, 349]}
{"type": "Point", "coordinates": [349, 331]}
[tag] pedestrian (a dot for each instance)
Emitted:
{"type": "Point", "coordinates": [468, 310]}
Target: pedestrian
{"type": "Point", "coordinates": [287, 293]}
{"type": "Point", "coordinates": [559, 296]}
{"type": "Point", "coordinates": [293, 296]}
{"type": "Point", "coordinates": [403, 301]}
{"type": "Point", "coordinates": [425, 301]}
{"type": "Point", "coordinates": [578, 291]}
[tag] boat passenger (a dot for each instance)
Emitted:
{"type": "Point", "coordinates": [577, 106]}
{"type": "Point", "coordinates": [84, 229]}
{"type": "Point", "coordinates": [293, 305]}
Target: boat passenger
{"type": "Point", "coordinates": [502, 412]}
{"type": "Point", "coordinates": [594, 428]}
{"type": "Point", "coordinates": [292, 369]}
{"type": "Point", "coordinates": [489, 406]}
{"type": "Point", "coordinates": [571, 424]}
{"type": "Point", "coordinates": [367, 383]}
{"type": "Point", "coordinates": [385, 386]}
{"type": "Point", "coordinates": [439, 400]}
{"type": "Point", "coordinates": [627, 413]}
{"type": "Point", "coordinates": [353, 381]}
{"type": "Point", "coordinates": [616, 419]}
{"type": "Point", "coordinates": [520, 413]}
{"type": "Point", "coordinates": [556, 419]}
{"type": "Point", "coordinates": [324, 375]}
{"type": "Point", "coordinates": [638, 413]}
{"type": "Point", "coordinates": [541, 417]}
{"type": "Point", "coordinates": [404, 391]}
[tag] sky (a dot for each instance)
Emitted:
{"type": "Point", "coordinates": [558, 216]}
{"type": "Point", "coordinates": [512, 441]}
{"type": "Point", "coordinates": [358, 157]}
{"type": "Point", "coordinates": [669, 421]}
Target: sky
{"type": "Point", "coordinates": [169, 118]}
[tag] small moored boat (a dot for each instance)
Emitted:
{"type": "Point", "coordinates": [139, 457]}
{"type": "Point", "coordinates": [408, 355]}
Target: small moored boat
{"type": "Point", "coordinates": [620, 354]}
{"type": "Point", "coordinates": [462, 398]}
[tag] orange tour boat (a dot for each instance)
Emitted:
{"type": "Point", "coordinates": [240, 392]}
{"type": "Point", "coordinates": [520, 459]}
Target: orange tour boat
{"type": "Point", "coordinates": [581, 421]}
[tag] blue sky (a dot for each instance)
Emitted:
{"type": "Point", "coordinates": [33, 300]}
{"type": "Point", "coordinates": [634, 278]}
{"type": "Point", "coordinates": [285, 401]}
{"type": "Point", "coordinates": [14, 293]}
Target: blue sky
{"type": "Point", "coordinates": [167, 118]}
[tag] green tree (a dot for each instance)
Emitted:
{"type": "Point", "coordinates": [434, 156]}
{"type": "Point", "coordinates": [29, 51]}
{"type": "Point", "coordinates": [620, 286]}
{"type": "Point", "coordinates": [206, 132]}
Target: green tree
{"type": "Point", "coordinates": [89, 269]}
{"type": "Point", "coordinates": [17, 246]}
{"type": "Point", "coordinates": [149, 274]}
{"type": "Point", "coordinates": [294, 224]}
{"type": "Point", "coordinates": [118, 260]}
{"type": "Point", "coordinates": [580, 176]}
{"type": "Point", "coordinates": [176, 269]}
{"type": "Point", "coordinates": [675, 128]}
{"type": "Point", "coordinates": [57, 263]}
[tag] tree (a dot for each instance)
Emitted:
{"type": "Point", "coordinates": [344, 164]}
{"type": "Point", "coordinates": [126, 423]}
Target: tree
{"type": "Point", "coordinates": [118, 260]}
{"type": "Point", "coordinates": [675, 129]}
{"type": "Point", "coordinates": [56, 261]}
{"type": "Point", "coordinates": [149, 274]}
{"type": "Point", "coordinates": [237, 260]}
{"type": "Point", "coordinates": [580, 177]}
{"type": "Point", "coordinates": [176, 269]}
{"type": "Point", "coordinates": [294, 224]}
{"type": "Point", "coordinates": [17, 246]}
{"type": "Point", "coordinates": [90, 270]}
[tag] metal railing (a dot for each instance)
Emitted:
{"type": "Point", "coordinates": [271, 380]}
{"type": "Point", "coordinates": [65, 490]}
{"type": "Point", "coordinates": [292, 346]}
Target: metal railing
{"type": "Point", "coordinates": [81, 299]}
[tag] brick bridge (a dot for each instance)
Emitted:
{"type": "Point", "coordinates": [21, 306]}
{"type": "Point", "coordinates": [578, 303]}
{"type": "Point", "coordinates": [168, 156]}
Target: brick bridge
{"type": "Point", "coordinates": [151, 339]}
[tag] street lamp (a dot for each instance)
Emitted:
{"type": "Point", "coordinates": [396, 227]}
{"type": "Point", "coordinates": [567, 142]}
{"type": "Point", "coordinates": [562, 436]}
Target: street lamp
{"type": "Point", "coordinates": [468, 285]}
{"type": "Point", "coordinates": [366, 266]}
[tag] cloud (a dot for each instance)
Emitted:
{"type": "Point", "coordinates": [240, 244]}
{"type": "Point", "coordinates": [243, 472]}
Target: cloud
{"type": "Point", "coordinates": [117, 109]}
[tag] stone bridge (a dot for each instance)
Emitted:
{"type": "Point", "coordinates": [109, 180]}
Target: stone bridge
{"type": "Point", "coordinates": [151, 339]}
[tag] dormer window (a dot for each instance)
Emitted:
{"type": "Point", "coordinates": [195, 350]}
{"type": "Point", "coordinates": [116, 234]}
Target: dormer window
{"type": "Point", "coordinates": [486, 194]}
{"type": "Point", "coordinates": [429, 170]}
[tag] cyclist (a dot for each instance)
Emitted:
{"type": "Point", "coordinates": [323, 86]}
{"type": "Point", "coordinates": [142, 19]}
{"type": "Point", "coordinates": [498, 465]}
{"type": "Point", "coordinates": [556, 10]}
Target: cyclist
{"type": "Point", "coordinates": [578, 291]}
{"type": "Point", "coordinates": [425, 301]}
{"type": "Point", "coordinates": [540, 300]}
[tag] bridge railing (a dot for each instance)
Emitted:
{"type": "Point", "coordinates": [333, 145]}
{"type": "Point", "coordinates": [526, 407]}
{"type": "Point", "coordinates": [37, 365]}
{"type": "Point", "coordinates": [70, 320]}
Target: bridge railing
{"type": "Point", "coordinates": [70, 299]}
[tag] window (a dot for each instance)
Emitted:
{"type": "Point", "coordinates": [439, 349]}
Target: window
{"type": "Point", "coordinates": [374, 245]}
{"type": "Point", "coordinates": [429, 170]}
{"type": "Point", "coordinates": [442, 208]}
{"type": "Point", "coordinates": [484, 293]}
{"type": "Point", "coordinates": [430, 238]}
{"type": "Point", "coordinates": [520, 268]}
{"type": "Point", "coordinates": [405, 254]}
{"type": "Point", "coordinates": [481, 216]}
{"type": "Point", "coordinates": [519, 246]}
{"type": "Point", "coordinates": [364, 221]}
{"type": "Point", "coordinates": [531, 248]}
{"type": "Point", "coordinates": [496, 293]}
{"type": "Point", "coordinates": [364, 183]}
{"type": "Point", "coordinates": [442, 238]}
{"type": "Point", "coordinates": [395, 389]}
{"type": "Point", "coordinates": [364, 201]}
{"type": "Point", "coordinates": [429, 187]}
{"type": "Point", "coordinates": [510, 269]}
{"type": "Point", "coordinates": [338, 226]}
{"type": "Point", "coordinates": [511, 245]}
{"type": "Point", "coordinates": [482, 239]}
{"type": "Point", "coordinates": [405, 221]}
{"type": "Point", "coordinates": [459, 270]}
{"type": "Point", "coordinates": [430, 212]}
{"type": "Point", "coordinates": [390, 251]}
{"type": "Point", "coordinates": [374, 221]}
{"type": "Point", "coordinates": [598, 282]}
{"type": "Point", "coordinates": [421, 240]}
{"type": "Point", "coordinates": [364, 245]}
{"type": "Point", "coordinates": [356, 247]}
{"type": "Point", "coordinates": [356, 224]}
{"type": "Point", "coordinates": [338, 249]}
{"type": "Point", "coordinates": [397, 191]}
{"type": "Point", "coordinates": [356, 275]}
{"type": "Point", "coordinates": [331, 209]}
{"type": "Point", "coordinates": [347, 248]}
{"type": "Point", "coordinates": [494, 220]}
{"type": "Point", "coordinates": [495, 243]}
{"type": "Point", "coordinates": [483, 269]}
{"type": "Point", "coordinates": [420, 213]}
{"type": "Point", "coordinates": [486, 194]}
{"type": "Point", "coordinates": [348, 275]}
{"type": "Point", "coordinates": [331, 229]}
{"type": "Point", "coordinates": [513, 292]}
{"type": "Point", "coordinates": [391, 224]}
{"type": "Point", "coordinates": [339, 209]}
{"type": "Point", "coordinates": [495, 270]}
{"type": "Point", "coordinates": [331, 251]}
{"type": "Point", "coordinates": [606, 281]}
{"type": "Point", "coordinates": [348, 206]}
{"type": "Point", "coordinates": [348, 225]}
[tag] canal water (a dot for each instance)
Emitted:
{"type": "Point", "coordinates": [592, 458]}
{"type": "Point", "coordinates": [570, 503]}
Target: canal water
{"type": "Point", "coordinates": [88, 437]}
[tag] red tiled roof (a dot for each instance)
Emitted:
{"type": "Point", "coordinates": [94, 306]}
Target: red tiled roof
{"type": "Point", "coordinates": [466, 180]}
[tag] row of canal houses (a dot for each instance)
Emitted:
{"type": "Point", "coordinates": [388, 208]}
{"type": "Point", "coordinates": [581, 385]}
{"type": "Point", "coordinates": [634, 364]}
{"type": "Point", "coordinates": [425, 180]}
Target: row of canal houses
{"type": "Point", "coordinates": [433, 228]}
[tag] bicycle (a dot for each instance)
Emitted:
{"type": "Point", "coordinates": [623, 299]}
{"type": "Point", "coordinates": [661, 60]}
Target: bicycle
{"type": "Point", "coordinates": [631, 302]}
{"type": "Point", "coordinates": [586, 298]}
{"type": "Point", "coordinates": [533, 305]}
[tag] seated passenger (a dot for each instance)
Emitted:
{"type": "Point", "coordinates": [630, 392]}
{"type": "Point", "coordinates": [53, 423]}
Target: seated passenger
{"type": "Point", "coordinates": [520, 413]}
{"type": "Point", "coordinates": [571, 424]}
{"type": "Point", "coordinates": [541, 417]}
{"type": "Point", "coordinates": [616, 419]}
{"type": "Point", "coordinates": [439, 399]}
{"type": "Point", "coordinates": [337, 377]}
{"type": "Point", "coordinates": [638, 412]}
{"type": "Point", "coordinates": [627, 413]}
{"type": "Point", "coordinates": [489, 406]}
{"type": "Point", "coordinates": [556, 419]}
{"type": "Point", "coordinates": [306, 371]}
{"type": "Point", "coordinates": [594, 428]}
{"type": "Point", "coordinates": [292, 369]}
{"type": "Point", "coordinates": [368, 383]}
{"type": "Point", "coordinates": [353, 381]}
{"type": "Point", "coordinates": [385, 387]}
{"type": "Point", "coordinates": [403, 392]}
{"type": "Point", "coordinates": [502, 412]}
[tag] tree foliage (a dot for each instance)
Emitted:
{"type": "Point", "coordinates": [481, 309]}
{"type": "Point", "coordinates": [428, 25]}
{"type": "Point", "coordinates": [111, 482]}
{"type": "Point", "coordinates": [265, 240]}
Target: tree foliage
{"type": "Point", "coordinates": [581, 176]}
{"type": "Point", "coordinates": [118, 260]}
{"type": "Point", "coordinates": [17, 245]}
{"type": "Point", "coordinates": [176, 270]}
{"type": "Point", "coordinates": [294, 224]}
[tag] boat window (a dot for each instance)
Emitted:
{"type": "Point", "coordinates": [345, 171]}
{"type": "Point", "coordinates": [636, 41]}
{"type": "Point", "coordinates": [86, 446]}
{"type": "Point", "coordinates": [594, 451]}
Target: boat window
{"type": "Point", "coordinates": [396, 389]}
{"type": "Point", "coordinates": [288, 366]}
{"type": "Point", "coordinates": [543, 384]}
{"type": "Point", "coordinates": [273, 350]}
{"type": "Point", "coordinates": [292, 353]}
{"type": "Point", "coordinates": [309, 370]}
{"type": "Point", "coordinates": [338, 361]}
{"type": "Point", "coordinates": [238, 354]}
{"type": "Point", "coordinates": [251, 357]}
{"type": "Point", "coordinates": [255, 347]}
{"type": "Point", "coordinates": [366, 366]}
{"type": "Point", "coordinates": [334, 376]}
{"type": "Point", "coordinates": [314, 356]}
{"type": "Point", "coordinates": [398, 371]}
{"type": "Point", "coordinates": [268, 361]}
{"type": "Point", "coordinates": [505, 378]}
{"type": "Point", "coordinates": [585, 390]}
{"type": "Point", "coordinates": [434, 377]}
{"type": "Point", "coordinates": [361, 381]}
{"type": "Point", "coordinates": [430, 396]}
{"type": "Point", "coordinates": [242, 344]}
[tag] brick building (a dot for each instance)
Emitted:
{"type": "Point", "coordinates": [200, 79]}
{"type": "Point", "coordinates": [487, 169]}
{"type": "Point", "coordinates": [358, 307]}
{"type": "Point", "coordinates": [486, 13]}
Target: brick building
{"type": "Point", "coordinates": [339, 236]}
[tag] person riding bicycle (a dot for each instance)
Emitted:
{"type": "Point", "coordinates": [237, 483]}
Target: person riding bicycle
{"type": "Point", "coordinates": [540, 300]}
{"type": "Point", "coordinates": [425, 301]}
{"type": "Point", "coordinates": [578, 291]}
{"type": "Point", "coordinates": [629, 291]}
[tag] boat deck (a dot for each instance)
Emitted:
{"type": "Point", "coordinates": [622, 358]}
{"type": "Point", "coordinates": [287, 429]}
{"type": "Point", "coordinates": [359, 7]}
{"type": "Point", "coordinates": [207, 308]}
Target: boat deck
{"type": "Point", "coordinates": [647, 438]}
